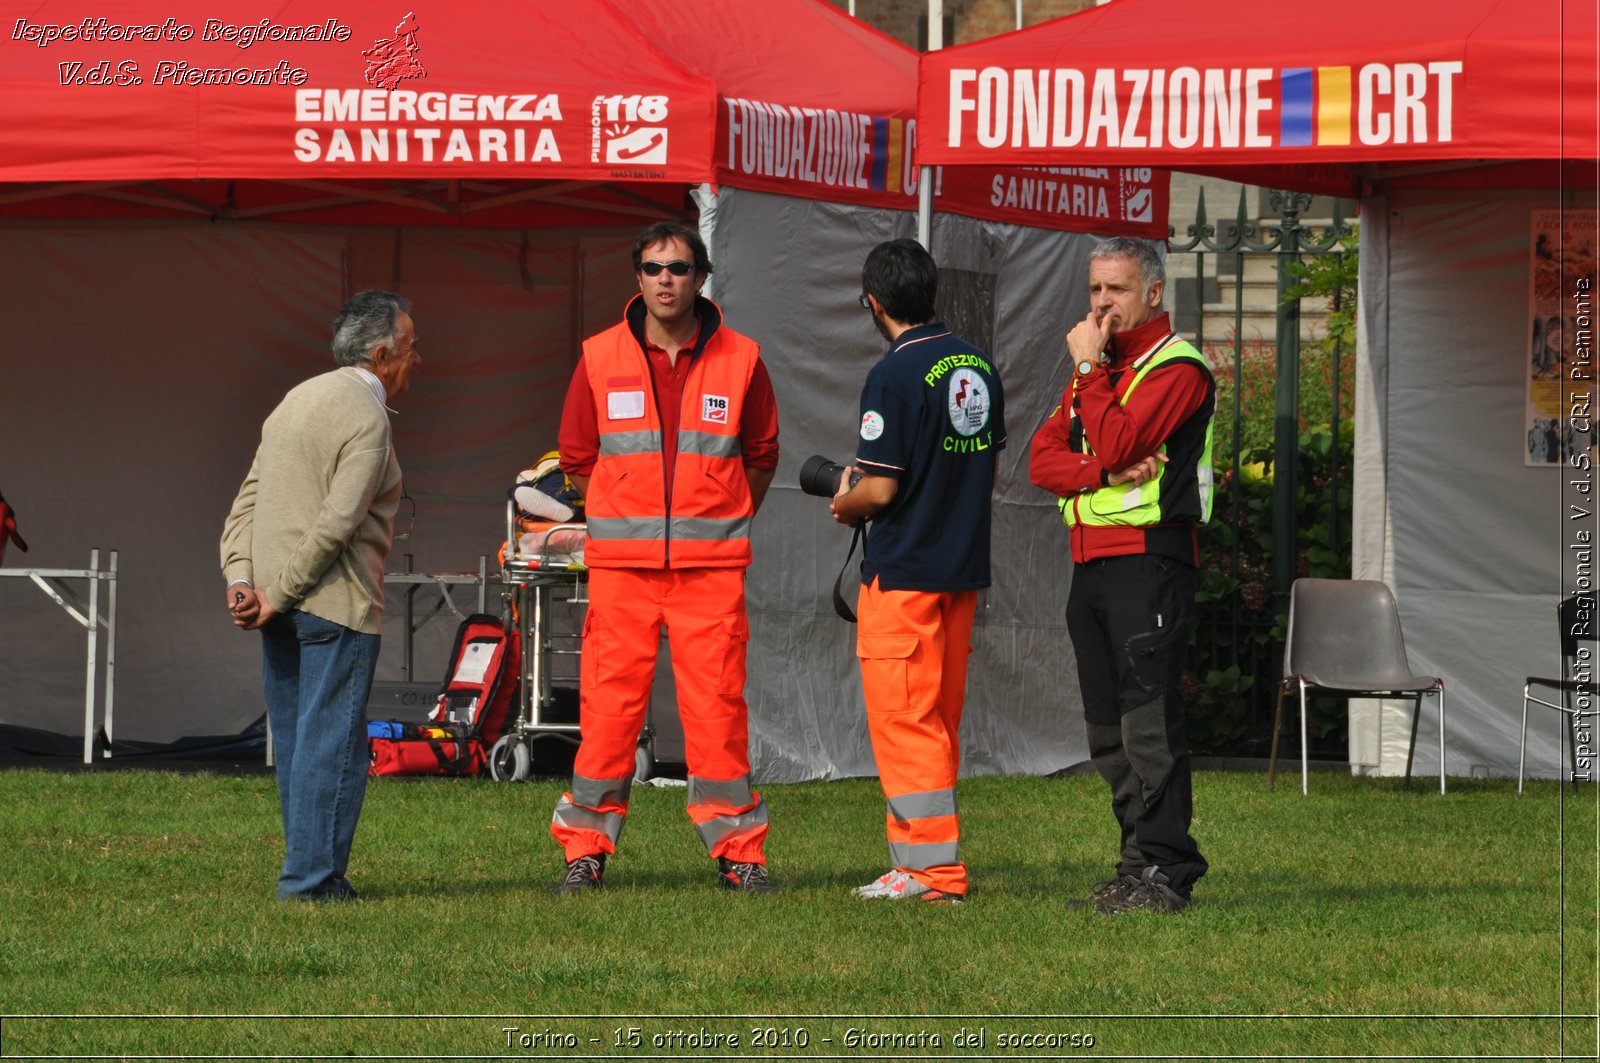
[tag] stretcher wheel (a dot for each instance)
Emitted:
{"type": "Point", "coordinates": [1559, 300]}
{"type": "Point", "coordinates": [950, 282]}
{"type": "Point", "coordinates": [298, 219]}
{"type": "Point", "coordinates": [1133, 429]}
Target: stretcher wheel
{"type": "Point", "coordinates": [510, 759]}
{"type": "Point", "coordinates": [644, 763]}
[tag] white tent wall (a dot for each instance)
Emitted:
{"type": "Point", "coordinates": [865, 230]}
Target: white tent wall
{"type": "Point", "coordinates": [138, 363]}
{"type": "Point", "coordinates": [1474, 543]}
{"type": "Point", "coordinates": [1015, 292]}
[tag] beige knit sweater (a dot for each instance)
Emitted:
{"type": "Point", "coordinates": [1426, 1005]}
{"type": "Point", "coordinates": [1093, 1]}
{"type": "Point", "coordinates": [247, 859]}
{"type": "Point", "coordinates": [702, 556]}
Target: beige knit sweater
{"type": "Point", "coordinates": [313, 522]}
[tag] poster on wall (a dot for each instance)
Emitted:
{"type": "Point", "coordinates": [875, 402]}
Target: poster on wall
{"type": "Point", "coordinates": [1559, 337]}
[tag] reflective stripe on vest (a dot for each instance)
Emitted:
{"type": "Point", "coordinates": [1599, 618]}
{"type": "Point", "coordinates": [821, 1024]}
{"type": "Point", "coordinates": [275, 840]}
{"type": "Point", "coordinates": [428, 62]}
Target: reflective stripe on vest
{"type": "Point", "coordinates": [1140, 504]}
{"type": "Point", "coordinates": [655, 529]}
{"type": "Point", "coordinates": [707, 444]}
{"type": "Point", "coordinates": [616, 444]}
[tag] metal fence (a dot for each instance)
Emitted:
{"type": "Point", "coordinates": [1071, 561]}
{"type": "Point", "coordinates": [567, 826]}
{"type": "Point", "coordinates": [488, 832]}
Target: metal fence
{"type": "Point", "coordinates": [1281, 509]}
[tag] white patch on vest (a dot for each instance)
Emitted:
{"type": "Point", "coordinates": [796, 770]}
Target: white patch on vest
{"type": "Point", "coordinates": [871, 425]}
{"type": "Point", "coordinates": [969, 402]}
{"type": "Point", "coordinates": [624, 405]}
{"type": "Point", "coordinates": [714, 408]}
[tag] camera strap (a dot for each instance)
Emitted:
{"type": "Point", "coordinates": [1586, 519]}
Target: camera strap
{"type": "Point", "coordinates": [841, 606]}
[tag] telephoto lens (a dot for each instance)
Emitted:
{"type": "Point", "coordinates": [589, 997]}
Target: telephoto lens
{"type": "Point", "coordinates": [820, 477]}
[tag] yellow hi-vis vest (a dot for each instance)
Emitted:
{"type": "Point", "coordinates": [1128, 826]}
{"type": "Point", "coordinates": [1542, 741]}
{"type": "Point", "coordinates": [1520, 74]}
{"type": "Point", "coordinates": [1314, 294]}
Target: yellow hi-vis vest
{"type": "Point", "coordinates": [1181, 488]}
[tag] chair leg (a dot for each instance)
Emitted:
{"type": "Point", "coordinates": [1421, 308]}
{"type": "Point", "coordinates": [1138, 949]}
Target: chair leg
{"type": "Point", "coordinates": [1277, 723]}
{"type": "Point", "coordinates": [1305, 745]}
{"type": "Point", "coordinates": [1522, 744]}
{"type": "Point", "coordinates": [1440, 695]}
{"type": "Point", "coordinates": [1411, 750]}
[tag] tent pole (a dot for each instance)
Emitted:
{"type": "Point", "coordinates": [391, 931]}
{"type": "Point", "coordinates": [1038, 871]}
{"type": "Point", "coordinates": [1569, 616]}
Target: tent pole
{"type": "Point", "coordinates": [705, 197]}
{"type": "Point", "coordinates": [925, 173]}
{"type": "Point", "coordinates": [925, 207]}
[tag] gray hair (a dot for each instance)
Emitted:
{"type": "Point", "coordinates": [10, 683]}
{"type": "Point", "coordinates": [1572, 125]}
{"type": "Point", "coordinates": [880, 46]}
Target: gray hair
{"type": "Point", "coordinates": [1143, 253]}
{"type": "Point", "coordinates": [365, 322]}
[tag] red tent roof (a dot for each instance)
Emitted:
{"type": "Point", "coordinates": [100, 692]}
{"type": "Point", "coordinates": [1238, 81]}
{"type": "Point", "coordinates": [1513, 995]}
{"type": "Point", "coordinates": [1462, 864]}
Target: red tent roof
{"type": "Point", "coordinates": [530, 112]}
{"type": "Point", "coordinates": [816, 103]}
{"type": "Point", "coordinates": [1267, 91]}
{"type": "Point", "coordinates": [505, 90]}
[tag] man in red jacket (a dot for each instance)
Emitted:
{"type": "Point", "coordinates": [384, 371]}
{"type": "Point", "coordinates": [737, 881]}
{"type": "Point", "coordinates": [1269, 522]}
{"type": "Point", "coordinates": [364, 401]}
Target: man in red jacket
{"type": "Point", "coordinates": [670, 431]}
{"type": "Point", "coordinates": [1128, 453]}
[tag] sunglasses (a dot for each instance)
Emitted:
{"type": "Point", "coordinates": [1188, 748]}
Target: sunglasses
{"type": "Point", "coordinates": [677, 267]}
{"type": "Point", "coordinates": [865, 300]}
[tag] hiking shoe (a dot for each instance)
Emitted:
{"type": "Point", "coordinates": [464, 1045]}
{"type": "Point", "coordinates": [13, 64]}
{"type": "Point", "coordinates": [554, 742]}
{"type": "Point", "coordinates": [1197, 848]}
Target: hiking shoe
{"type": "Point", "coordinates": [582, 874]}
{"type": "Point", "coordinates": [1111, 891]}
{"type": "Point", "coordinates": [745, 877]}
{"type": "Point", "coordinates": [1154, 893]}
{"type": "Point", "coordinates": [900, 886]}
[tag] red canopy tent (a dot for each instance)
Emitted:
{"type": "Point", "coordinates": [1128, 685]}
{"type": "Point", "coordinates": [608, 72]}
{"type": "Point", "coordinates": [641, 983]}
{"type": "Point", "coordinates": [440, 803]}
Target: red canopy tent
{"type": "Point", "coordinates": [814, 103]}
{"type": "Point", "coordinates": [185, 236]}
{"type": "Point", "coordinates": [512, 115]}
{"type": "Point", "coordinates": [444, 114]}
{"type": "Point", "coordinates": [1278, 94]}
{"type": "Point", "coordinates": [1471, 130]}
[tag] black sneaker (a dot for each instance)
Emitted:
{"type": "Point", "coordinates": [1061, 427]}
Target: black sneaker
{"type": "Point", "coordinates": [335, 892]}
{"type": "Point", "coordinates": [1154, 893]}
{"type": "Point", "coordinates": [1112, 891]}
{"type": "Point", "coordinates": [748, 878]}
{"type": "Point", "coordinates": [582, 874]}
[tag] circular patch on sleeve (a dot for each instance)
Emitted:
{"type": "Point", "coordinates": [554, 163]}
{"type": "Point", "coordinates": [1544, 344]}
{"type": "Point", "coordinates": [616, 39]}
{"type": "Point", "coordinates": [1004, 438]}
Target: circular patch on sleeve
{"type": "Point", "coordinates": [871, 425]}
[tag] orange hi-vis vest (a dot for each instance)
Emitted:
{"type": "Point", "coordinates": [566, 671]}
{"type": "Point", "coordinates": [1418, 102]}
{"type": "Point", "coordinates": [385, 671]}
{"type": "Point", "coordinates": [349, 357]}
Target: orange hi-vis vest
{"type": "Point", "coordinates": [629, 522]}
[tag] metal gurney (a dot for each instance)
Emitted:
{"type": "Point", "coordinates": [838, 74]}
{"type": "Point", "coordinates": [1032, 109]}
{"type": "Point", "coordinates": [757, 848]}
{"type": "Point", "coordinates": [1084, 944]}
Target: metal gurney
{"type": "Point", "coordinates": [542, 569]}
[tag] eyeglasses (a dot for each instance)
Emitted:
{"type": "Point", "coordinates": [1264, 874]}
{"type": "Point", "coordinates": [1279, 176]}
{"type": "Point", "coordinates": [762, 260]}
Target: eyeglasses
{"type": "Point", "coordinates": [865, 300]}
{"type": "Point", "coordinates": [677, 267]}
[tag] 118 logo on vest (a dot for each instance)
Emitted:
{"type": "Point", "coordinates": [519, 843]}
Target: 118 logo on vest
{"type": "Point", "coordinates": [714, 409]}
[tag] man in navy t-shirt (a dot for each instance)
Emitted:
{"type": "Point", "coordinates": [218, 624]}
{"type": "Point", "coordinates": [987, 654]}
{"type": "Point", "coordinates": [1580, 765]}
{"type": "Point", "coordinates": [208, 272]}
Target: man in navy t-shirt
{"type": "Point", "coordinates": [932, 426]}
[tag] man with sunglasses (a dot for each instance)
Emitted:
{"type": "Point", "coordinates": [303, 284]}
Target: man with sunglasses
{"type": "Point", "coordinates": [670, 431]}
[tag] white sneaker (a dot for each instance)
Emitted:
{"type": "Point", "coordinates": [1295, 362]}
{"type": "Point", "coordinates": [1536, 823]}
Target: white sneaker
{"type": "Point", "coordinates": [900, 886]}
{"type": "Point", "coordinates": [884, 885]}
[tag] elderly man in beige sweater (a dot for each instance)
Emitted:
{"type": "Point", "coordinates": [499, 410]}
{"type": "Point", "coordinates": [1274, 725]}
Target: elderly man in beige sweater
{"type": "Point", "coordinates": [303, 551]}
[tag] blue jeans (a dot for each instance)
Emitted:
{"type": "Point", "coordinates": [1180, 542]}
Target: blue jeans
{"type": "Point", "coordinates": [317, 676]}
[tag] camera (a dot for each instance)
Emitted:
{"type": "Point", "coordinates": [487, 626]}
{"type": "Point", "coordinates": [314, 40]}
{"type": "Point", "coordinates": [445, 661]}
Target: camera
{"type": "Point", "coordinates": [820, 477]}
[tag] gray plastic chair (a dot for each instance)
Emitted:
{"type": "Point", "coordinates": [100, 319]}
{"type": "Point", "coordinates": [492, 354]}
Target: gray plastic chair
{"type": "Point", "coordinates": [1344, 640]}
{"type": "Point", "coordinates": [1577, 619]}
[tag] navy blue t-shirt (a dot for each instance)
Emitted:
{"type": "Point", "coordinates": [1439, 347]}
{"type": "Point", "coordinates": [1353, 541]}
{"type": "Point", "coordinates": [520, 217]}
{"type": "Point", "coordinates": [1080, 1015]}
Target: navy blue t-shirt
{"type": "Point", "coordinates": [932, 417]}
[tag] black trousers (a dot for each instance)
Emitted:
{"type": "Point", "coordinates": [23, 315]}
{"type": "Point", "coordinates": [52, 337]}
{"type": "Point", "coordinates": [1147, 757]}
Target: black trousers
{"type": "Point", "coordinates": [1130, 619]}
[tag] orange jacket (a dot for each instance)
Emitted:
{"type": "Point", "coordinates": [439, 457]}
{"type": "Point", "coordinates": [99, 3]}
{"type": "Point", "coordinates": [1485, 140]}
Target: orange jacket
{"type": "Point", "coordinates": [629, 522]}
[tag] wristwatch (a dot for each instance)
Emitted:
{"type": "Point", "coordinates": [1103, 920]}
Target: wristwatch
{"type": "Point", "coordinates": [1086, 367]}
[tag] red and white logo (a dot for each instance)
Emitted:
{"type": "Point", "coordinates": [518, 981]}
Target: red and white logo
{"type": "Point", "coordinates": [393, 61]}
{"type": "Point", "coordinates": [969, 402]}
{"type": "Point", "coordinates": [714, 408]}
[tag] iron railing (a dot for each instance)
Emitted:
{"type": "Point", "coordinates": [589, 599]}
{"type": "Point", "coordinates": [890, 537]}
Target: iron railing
{"type": "Point", "coordinates": [1236, 658]}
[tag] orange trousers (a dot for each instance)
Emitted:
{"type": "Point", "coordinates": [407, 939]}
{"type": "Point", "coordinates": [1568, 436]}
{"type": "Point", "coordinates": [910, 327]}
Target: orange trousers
{"type": "Point", "coordinates": [703, 612]}
{"type": "Point", "coordinates": [914, 647]}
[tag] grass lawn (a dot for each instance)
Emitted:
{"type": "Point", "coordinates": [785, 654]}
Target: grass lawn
{"type": "Point", "coordinates": [1362, 921]}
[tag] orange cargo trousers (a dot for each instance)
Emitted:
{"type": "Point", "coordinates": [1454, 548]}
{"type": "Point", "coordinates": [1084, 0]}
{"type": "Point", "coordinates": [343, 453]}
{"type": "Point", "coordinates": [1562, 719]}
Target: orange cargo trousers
{"type": "Point", "coordinates": [703, 611]}
{"type": "Point", "coordinates": [914, 647]}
